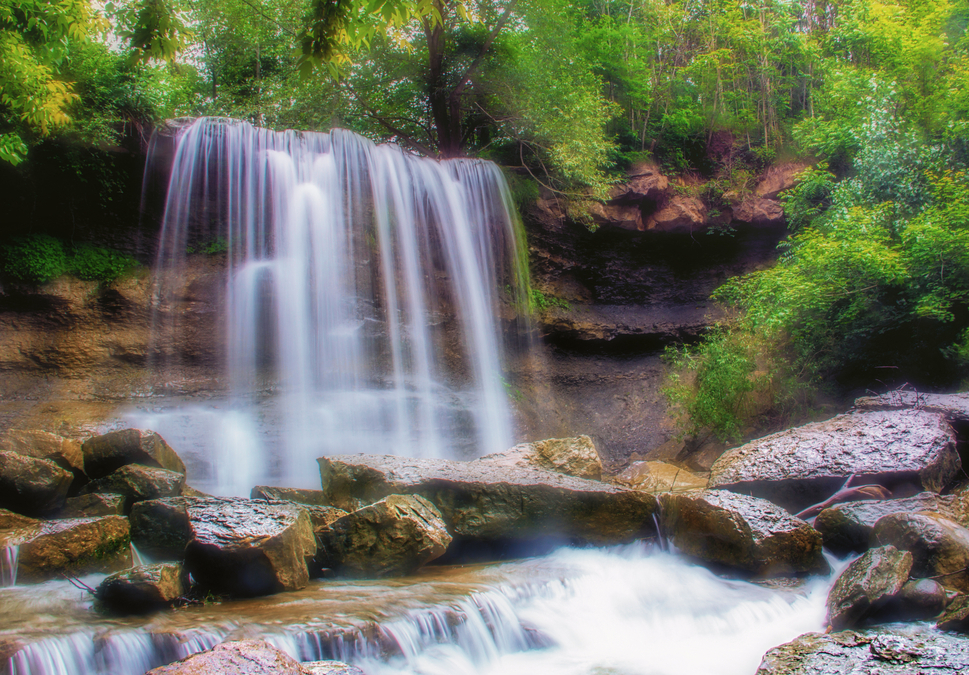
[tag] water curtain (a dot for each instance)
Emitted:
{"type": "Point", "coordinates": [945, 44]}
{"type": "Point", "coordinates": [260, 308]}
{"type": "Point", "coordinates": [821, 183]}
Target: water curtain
{"type": "Point", "coordinates": [363, 286]}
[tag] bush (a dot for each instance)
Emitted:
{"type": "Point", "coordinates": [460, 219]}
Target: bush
{"type": "Point", "coordinates": [94, 263]}
{"type": "Point", "coordinates": [35, 258]}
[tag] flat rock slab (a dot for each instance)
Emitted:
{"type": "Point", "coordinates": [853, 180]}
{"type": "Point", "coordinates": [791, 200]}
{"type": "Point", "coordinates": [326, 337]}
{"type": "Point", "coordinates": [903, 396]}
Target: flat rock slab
{"type": "Point", "coordinates": [242, 657]}
{"type": "Point", "coordinates": [16, 529]}
{"type": "Point", "coordinates": [575, 456]}
{"type": "Point", "coordinates": [65, 452]}
{"type": "Point", "coordinates": [144, 588]}
{"type": "Point", "coordinates": [879, 651]}
{"type": "Point", "coordinates": [743, 532]}
{"type": "Point", "coordinates": [75, 547]}
{"type": "Point", "coordinates": [939, 547]}
{"type": "Point", "coordinates": [34, 487]}
{"type": "Point", "coordinates": [93, 505]}
{"type": "Point", "coordinates": [248, 547]}
{"type": "Point", "coordinates": [847, 527]}
{"type": "Point", "coordinates": [805, 465]}
{"type": "Point", "coordinates": [393, 537]}
{"type": "Point", "coordinates": [955, 407]}
{"type": "Point", "coordinates": [109, 452]}
{"type": "Point", "coordinates": [654, 477]}
{"type": "Point", "coordinates": [309, 497]}
{"type": "Point", "coordinates": [479, 501]}
{"type": "Point", "coordinates": [136, 483]}
{"type": "Point", "coordinates": [867, 584]}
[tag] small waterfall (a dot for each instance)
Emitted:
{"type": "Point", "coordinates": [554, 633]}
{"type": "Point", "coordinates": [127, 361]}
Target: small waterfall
{"type": "Point", "coordinates": [8, 565]}
{"type": "Point", "coordinates": [363, 285]}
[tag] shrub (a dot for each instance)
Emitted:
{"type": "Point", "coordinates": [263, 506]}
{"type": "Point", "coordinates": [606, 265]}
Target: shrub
{"type": "Point", "coordinates": [35, 258]}
{"type": "Point", "coordinates": [94, 263]}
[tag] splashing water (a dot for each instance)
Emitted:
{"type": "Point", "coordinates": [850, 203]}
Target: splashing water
{"type": "Point", "coordinates": [624, 611]}
{"type": "Point", "coordinates": [360, 306]}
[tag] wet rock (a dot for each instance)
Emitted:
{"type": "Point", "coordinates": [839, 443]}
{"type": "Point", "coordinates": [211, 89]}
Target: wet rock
{"type": "Point", "coordinates": [939, 547]}
{"type": "Point", "coordinates": [955, 407]}
{"type": "Point", "coordinates": [330, 668]}
{"type": "Point", "coordinates": [956, 616]}
{"type": "Point", "coordinates": [659, 477]}
{"type": "Point", "coordinates": [739, 531]}
{"type": "Point", "coordinates": [92, 505]}
{"type": "Point", "coordinates": [34, 487]}
{"type": "Point", "coordinates": [247, 548]}
{"type": "Point", "coordinates": [919, 599]}
{"type": "Point", "coordinates": [143, 589]}
{"type": "Point", "coordinates": [160, 527]}
{"type": "Point", "coordinates": [478, 501]}
{"type": "Point", "coordinates": [393, 537]}
{"type": "Point", "coordinates": [805, 465]}
{"type": "Point", "coordinates": [847, 527]}
{"type": "Point", "coordinates": [16, 529]}
{"type": "Point", "coordinates": [136, 483]}
{"type": "Point", "coordinates": [108, 453]}
{"type": "Point", "coordinates": [242, 657]}
{"type": "Point", "coordinates": [65, 452]}
{"type": "Point", "coordinates": [757, 211]}
{"type": "Point", "coordinates": [625, 217]}
{"type": "Point", "coordinates": [879, 651]}
{"type": "Point", "coordinates": [322, 516]}
{"type": "Point", "coordinates": [680, 214]}
{"type": "Point", "coordinates": [75, 547]}
{"type": "Point", "coordinates": [572, 456]}
{"type": "Point", "coordinates": [867, 584]}
{"type": "Point", "coordinates": [311, 497]}
{"type": "Point", "coordinates": [189, 491]}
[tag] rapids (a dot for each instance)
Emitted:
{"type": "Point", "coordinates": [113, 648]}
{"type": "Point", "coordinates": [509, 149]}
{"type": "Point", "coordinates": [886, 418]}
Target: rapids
{"type": "Point", "coordinates": [629, 610]}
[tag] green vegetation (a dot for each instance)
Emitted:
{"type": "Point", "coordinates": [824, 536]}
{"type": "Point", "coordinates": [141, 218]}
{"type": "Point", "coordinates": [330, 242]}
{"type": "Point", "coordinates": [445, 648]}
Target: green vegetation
{"type": "Point", "coordinates": [39, 258]}
{"type": "Point", "coordinates": [540, 302]}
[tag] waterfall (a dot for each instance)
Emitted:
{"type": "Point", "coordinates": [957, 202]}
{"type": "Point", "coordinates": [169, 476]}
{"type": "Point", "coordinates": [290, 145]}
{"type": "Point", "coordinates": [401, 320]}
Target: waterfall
{"type": "Point", "coordinates": [360, 302]}
{"type": "Point", "coordinates": [8, 565]}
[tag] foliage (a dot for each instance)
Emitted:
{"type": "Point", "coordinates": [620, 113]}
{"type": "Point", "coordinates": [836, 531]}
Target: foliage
{"type": "Point", "coordinates": [94, 263]}
{"type": "Point", "coordinates": [540, 301]}
{"type": "Point", "coordinates": [34, 258]}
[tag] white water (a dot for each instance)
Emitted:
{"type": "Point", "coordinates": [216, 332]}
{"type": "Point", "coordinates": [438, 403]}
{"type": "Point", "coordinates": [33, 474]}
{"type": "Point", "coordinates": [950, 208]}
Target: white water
{"type": "Point", "coordinates": [360, 302]}
{"type": "Point", "coordinates": [8, 565]}
{"type": "Point", "coordinates": [623, 611]}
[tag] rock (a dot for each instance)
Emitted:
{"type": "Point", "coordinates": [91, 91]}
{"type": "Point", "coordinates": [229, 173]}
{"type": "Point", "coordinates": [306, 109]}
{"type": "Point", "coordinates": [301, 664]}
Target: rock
{"type": "Point", "coordinates": [867, 584]}
{"type": "Point", "coordinates": [847, 527]}
{"type": "Point", "coordinates": [919, 599]}
{"type": "Point", "coordinates": [572, 456]}
{"type": "Point", "coordinates": [681, 214]}
{"type": "Point", "coordinates": [243, 657]}
{"type": "Point", "coordinates": [143, 589]}
{"type": "Point", "coordinates": [136, 483]}
{"type": "Point", "coordinates": [778, 178]}
{"type": "Point", "coordinates": [955, 407]}
{"type": "Point", "coordinates": [108, 453]}
{"type": "Point", "coordinates": [322, 516]}
{"type": "Point", "coordinates": [956, 616]}
{"type": "Point", "coordinates": [330, 668]}
{"type": "Point", "coordinates": [34, 487]}
{"type": "Point", "coordinates": [64, 452]}
{"type": "Point", "coordinates": [393, 537]}
{"type": "Point", "coordinates": [189, 491]}
{"type": "Point", "coordinates": [625, 217]}
{"type": "Point", "coordinates": [659, 477]}
{"type": "Point", "coordinates": [311, 497]}
{"type": "Point", "coordinates": [939, 547]}
{"type": "Point", "coordinates": [160, 527]}
{"type": "Point", "coordinates": [757, 211]}
{"type": "Point", "coordinates": [879, 651]}
{"type": "Point", "coordinates": [478, 501]}
{"type": "Point", "coordinates": [248, 548]}
{"type": "Point", "coordinates": [16, 529]}
{"type": "Point", "coordinates": [644, 182]}
{"type": "Point", "coordinates": [76, 547]}
{"type": "Point", "coordinates": [744, 532]}
{"type": "Point", "coordinates": [92, 505]}
{"type": "Point", "coordinates": [805, 465]}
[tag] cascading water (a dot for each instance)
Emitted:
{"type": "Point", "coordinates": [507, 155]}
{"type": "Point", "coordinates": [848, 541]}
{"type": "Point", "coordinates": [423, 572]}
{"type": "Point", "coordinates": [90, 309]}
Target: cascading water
{"type": "Point", "coordinates": [363, 284]}
{"type": "Point", "coordinates": [8, 565]}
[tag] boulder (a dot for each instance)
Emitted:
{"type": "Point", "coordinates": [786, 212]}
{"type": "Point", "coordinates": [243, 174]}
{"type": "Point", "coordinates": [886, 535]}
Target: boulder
{"type": "Point", "coordinates": [623, 216]}
{"type": "Point", "coordinates": [248, 548]}
{"type": "Point", "coordinates": [796, 468]}
{"type": "Point", "coordinates": [681, 214]}
{"type": "Point", "coordinates": [866, 585]}
{"type": "Point", "coordinates": [758, 211]}
{"type": "Point", "coordinates": [75, 547]}
{"type": "Point", "coordinates": [242, 657]}
{"type": "Point", "coordinates": [310, 497]}
{"type": "Point", "coordinates": [92, 505]}
{"type": "Point", "coordinates": [160, 527]}
{"type": "Point", "coordinates": [393, 537]}
{"type": "Point", "coordinates": [330, 668]}
{"type": "Point", "coordinates": [136, 483]}
{"type": "Point", "coordinates": [919, 599]}
{"type": "Point", "coordinates": [847, 527]}
{"type": "Point", "coordinates": [644, 181]}
{"type": "Point", "coordinates": [777, 178]}
{"type": "Point", "coordinates": [31, 486]}
{"type": "Point", "coordinates": [939, 547]}
{"type": "Point", "coordinates": [739, 531]}
{"type": "Point", "coordinates": [956, 615]}
{"type": "Point", "coordinates": [143, 589]}
{"type": "Point", "coordinates": [64, 452]}
{"type": "Point", "coordinates": [479, 501]}
{"type": "Point", "coordinates": [108, 453]}
{"type": "Point", "coordinates": [572, 456]}
{"type": "Point", "coordinates": [659, 477]}
{"type": "Point", "coordinates": [16, 529]}
{"type": "Point", "coordinates": [955, 407]}
{"type": "Point", "coordinates": [322, 516]}
{"type": "Point", "coordinates": [880, 651]}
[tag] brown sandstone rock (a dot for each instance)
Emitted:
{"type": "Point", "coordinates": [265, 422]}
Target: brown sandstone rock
{"type": "Point", "coordinates": [311, 497]}
{"type": "Point", "coordinates": [778, 178]}
{"type": "Point", "coordinates": [757, 211]}
{"type": "Point", "coordinates": [955, 407]}
{"type": "Point", "coordinates": [136, 483]}
{"type": "Point", "coordinates": [393, 537]}
{"type": "Point", "coordinates": [626, 217]}
{"type": "Point", "coordinates": [866, 584]}
{"type": "Point", "coordinates": [93, 505]}
{"type": "Point", "coordinates": [32, 486]}
{"type": "Point", "coordinates": [65, 452]}
{"type": "Point", "coordinates": [160, 527]}
{"type": "Point", "coordinates": [644, 181]}
{"type": "Point", "coordinates": [740, 531]}
{"type": "Point", "coordinates": [243, 657]}
{"type": "Point", "coordinates": [572, 456]}
{"type": "Point", "coordinates": [956, 615]}
{"type": "Point", "coordinates": [109, 452]}
{"type": "Point", "coordinates": [681, 214]}
{"type": "Point", "coordinates": [939, 547]}
{"type": "Point", "coordinates": [76, 547]}
{"type": "Point", "coordinates": [659, 477]}
{"type": "Point", "coordinates": [805, 465]}
{"type": "Point", "coordinates": [143, 589]}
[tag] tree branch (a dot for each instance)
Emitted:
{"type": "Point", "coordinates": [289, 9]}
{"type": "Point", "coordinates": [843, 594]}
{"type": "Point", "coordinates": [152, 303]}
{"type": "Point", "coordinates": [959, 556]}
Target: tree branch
{"type": "Point", "coordinates": [400, 133]}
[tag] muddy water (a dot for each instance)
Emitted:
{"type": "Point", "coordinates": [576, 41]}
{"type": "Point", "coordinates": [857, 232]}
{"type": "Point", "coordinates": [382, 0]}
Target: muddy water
{"type": "Point", "coordinates": [624, 611]}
